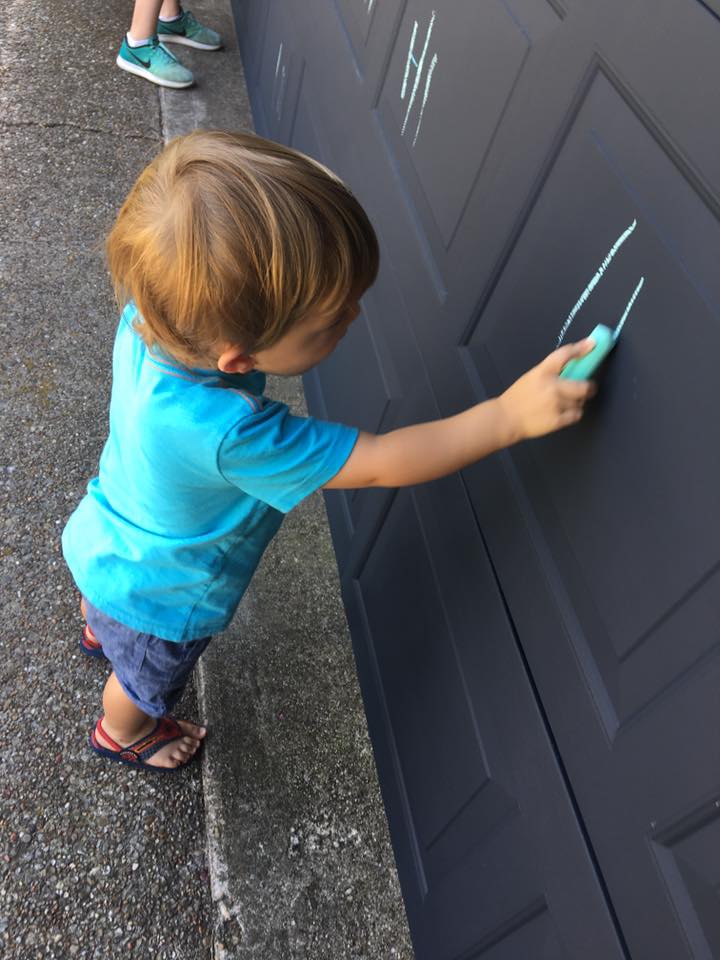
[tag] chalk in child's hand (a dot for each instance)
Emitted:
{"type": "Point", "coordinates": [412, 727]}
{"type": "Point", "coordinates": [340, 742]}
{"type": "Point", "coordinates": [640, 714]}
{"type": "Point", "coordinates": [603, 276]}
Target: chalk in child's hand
{"type": "Point", "coordinates": [582, 368]}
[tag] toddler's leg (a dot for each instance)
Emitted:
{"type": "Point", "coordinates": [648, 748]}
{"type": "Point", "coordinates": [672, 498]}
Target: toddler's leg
{"type": "Point", "coordinates": [88, 642]}
{"type": "Point", "coordinates": [126, 723]}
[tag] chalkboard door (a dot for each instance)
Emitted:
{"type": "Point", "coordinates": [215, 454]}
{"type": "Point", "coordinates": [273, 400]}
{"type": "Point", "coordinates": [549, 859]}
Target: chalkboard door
{"type": "Point", "coordinates": [537, 639]}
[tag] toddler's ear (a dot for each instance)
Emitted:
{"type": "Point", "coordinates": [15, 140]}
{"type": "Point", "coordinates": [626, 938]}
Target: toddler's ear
{"type": "Point", "coordinates": [234, 359]}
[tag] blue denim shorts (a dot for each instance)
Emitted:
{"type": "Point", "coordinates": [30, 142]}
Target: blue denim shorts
{"type": "Point", "coordinates": [152, 672]}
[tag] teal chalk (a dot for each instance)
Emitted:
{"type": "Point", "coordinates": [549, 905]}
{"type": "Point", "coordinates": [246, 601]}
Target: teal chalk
{"type": "Point", "coordinates": [582, 368]}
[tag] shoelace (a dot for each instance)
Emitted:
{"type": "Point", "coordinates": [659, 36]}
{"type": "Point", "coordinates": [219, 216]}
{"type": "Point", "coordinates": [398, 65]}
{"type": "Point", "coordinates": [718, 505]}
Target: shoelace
{"type": "Point", "coordinates": [168, 57]}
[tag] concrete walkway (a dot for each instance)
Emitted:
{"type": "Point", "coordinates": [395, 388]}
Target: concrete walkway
{"type": "Point", "coordinates": [276, 846]}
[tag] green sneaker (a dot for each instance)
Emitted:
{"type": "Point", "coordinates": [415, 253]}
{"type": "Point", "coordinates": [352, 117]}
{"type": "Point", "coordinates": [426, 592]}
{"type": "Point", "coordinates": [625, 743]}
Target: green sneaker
{"type": "Point", "coordinates": [187, 30]}
{"type": "Point", "coordinates": [154, 61]}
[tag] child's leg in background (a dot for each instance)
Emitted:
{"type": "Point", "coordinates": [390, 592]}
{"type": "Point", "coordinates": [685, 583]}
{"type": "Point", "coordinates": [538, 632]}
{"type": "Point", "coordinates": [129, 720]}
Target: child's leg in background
{"type": "Point", "coordinates": [142, 52]}
{"type": "Point", "coordinates": [145, 16]}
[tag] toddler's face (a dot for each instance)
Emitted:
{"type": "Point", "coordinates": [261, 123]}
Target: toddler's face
{"type": "Point", "coordinates": [307, 343]}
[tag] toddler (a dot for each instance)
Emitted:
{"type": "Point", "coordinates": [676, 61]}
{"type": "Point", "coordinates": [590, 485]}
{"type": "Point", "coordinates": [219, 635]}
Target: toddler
{"type": "Point", "coordinates": [235, 257]}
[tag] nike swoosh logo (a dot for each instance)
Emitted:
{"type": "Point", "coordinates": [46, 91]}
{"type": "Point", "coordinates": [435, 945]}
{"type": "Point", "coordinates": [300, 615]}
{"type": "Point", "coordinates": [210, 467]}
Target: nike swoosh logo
{"type": "Point", "coordinates": [144, 63]}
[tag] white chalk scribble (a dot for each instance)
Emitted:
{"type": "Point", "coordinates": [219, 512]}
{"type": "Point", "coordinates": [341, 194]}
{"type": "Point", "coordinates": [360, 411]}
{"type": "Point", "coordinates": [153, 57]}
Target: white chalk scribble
{"type": "Point", "coordinates": [628, 308]}
{"type": "Point", "coordinates": [595, 280]}
{"type": "Point", "coordinates": [418, 64]}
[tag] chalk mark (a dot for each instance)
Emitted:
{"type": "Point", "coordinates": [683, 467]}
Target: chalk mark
{"type": "Point", "coordinates": [418, 70]}
{"type": "Point", "coordinates": [628, 308]}
{"type": "Point", "coordinates": [410, 59]}
{"type": "Point", "coordinates": [595, 280]}
{"type": "Point", "coordinates": [433, 64]}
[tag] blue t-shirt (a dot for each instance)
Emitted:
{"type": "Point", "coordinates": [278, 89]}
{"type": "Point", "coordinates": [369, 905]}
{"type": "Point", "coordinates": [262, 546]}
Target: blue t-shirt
{"type": "Point", "coordinates": [194, 479]}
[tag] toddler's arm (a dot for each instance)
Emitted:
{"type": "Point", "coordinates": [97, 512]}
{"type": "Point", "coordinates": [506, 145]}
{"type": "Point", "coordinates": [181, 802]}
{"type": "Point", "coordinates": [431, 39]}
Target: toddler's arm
{"type": "Point", "coordinates": [538, 403]}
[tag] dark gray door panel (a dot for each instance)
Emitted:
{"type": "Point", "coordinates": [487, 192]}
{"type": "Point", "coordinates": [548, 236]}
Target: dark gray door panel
{"type": "Point", "coordinates": [250, 24]}
{"type": "Point", "coordinates": [485, 835]}
{"type": "Point", "coordinates": [370, 27]}
{"type": "Point", "coordinates": [621, 516]}
{"type": "Point", "coordinates": [279, 71]}
{"type": "Point", "coordinates": [537, 642]}
{"type": "Point", "coordinates": [485, 832]}
{"type": "Point", "coordinates": [366, 382]}
{"type": "Point", "coordinates": [444, 65]}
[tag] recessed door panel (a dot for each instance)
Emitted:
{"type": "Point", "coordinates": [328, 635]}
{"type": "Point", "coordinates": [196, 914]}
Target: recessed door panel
{"type": "Point", "coordinates": [688, 853]}
{"type": "Point", "coordinates": [280, 73]}
{"type": "Point", "coordinates": [470, 813]}
{"type": "Point", "coordinates": [449, 80]}
{"type": "Point", "coordinates": [357, 17]}
{"type": "Point", "coordinates": [641, 573]}
{"type": "Point", "coordinates": [427, 702]}
{"type": "Point", "coordinates": [250, 21]}
{"type": "Point", "coordinates": [379, 386]}
{"type": "Point", "coordinates": [622, 513]}
{"type": "Point", "coordinates": [532, 167]}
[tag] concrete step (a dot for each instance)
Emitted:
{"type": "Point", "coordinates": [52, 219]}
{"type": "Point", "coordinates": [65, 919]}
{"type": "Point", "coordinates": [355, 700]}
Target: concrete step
{"type": "Point", "coordinates": [300, 859]}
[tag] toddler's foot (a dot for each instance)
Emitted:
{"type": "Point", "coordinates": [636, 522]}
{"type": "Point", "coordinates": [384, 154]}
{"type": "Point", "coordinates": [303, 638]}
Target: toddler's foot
{"type": "Point", "coordinates": [188, 31]}
{"type": "Point", "coordinates": [166, 745]}
{"type": "Point", "coordinates": [89, 643]}
{"type": "Point", "coordinates": [155, 63]}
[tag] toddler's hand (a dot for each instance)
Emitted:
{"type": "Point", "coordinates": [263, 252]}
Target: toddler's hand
{"type": "Point", "coordinates": [540, 402]}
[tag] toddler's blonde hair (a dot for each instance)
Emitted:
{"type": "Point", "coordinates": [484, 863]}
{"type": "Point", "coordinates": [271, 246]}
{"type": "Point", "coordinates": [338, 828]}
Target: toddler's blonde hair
{"type": "Point", "coordinates": [231, 238]}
